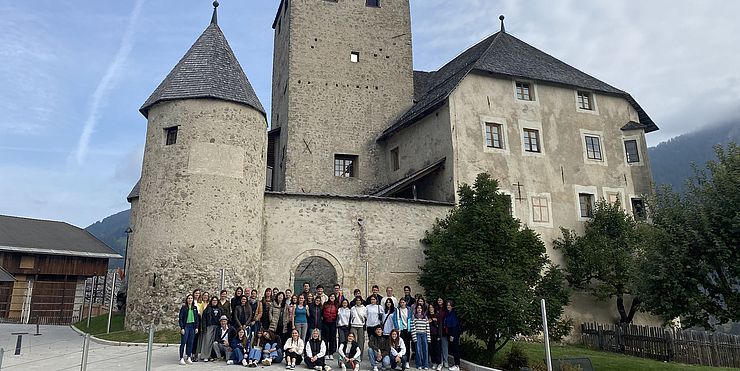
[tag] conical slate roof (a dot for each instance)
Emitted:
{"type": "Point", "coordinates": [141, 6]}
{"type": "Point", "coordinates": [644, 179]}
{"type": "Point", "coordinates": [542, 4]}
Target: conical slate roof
{"type": "Point", "coordinates": [208, 70]}
{"type": "Point", "coordinates": [503, 55]}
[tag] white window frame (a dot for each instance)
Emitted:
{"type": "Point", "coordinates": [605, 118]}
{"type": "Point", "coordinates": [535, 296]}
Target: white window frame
{"type": "Point", "coordinates": [594, 103]}
{"type": "Point", "coordinates": [530, 205]}
{"type": "Point", "coordinates": [534, 125]}
{"type": "Point", "coordinates": [600, 135]}
{"type": "Point", "coordinates": [354, 57]}
{"type": "Point", "coordinates": [504, 134]}
{"type": "Point", "coordinates": [640, 149]}
{"type": "Point", "coordinates": [578, 189]}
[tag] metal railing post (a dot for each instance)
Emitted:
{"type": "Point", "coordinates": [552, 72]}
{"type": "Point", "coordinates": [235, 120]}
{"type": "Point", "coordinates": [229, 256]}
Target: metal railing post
{"type": "Point", "coordinates": [89, 305]}
{"type": "Point", "coordinates": [85, 348]}
{"type": "Point", "coordinates": [150, 348]}
{"type": "Point", "coordinates": [2, 353]}
{"type": "Point", "coordinates": [110, 305]}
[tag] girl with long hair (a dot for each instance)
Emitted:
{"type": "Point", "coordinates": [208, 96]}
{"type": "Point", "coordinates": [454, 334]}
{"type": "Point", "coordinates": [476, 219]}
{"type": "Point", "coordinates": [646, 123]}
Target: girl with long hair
{"type": "Point", "coordinates": [198, 300]}
{"type": "Point", "coordinates": [294, 348]}
{"type": "Point", "coordinates": [398, 350]}
{"type": "Point", "coordinates": [189, 319]}
{"type": "Point", "coordinates": [349, 352]}
{"type": "Point", "coordinates": [389, 310]}
{"type": "Point", "coordinates": [434, 334]}
{"type": "Point", "coordinates": [343, 316]}
{"type": "Point", "coordinates": [358, 317]}
{"type": "Point", "coordinates": [239, 345]}
{"type": "Point", "coordinates": [451, 331]}
{"type": "Point", "coordinates": [444, 340]}
{"type": "Point", "coordinates": [255, 351]}
{"type": "Point", "coordinates": [421, 335]}
{"type": "Point", "coordinates": [329, 314]}
{"type": "Point", "coordinates": [210, 324]}
{"type": "Point", "coordinates": [300, 317]}
{"type": "Point", "coordinates": [314, 315]}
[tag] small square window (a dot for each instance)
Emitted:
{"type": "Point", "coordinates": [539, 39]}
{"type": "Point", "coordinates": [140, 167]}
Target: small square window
{"type": "Point", "coordinates": [372, 3]}
{"type": "Point", "coordinates": [27, 262]}
{"type": "Point", "coordinates": [395, 160]}
{"type": "Point", "coordinates": [345, 166]}
{"type": "Point", "coordinates": [638, 208]}
{"type": "Point", "coordinates": [540, 210]}
{"type": "Point", "coordinates": [524, 91]}
{"type": "Point", "coordinates": [494, 135]}
{"type": "Point", "coordinates": [585, 101]}
{"type": "Point", "coordinates": [532, 140]}
{"type": "Point", "coordinates": [613, 198]}
{"type": "Point", "coordinates": [170, 135]}
{"type": "Point", "coordinates": [593, 148]}
{"type": "Point", "coordinates": [586, 201]}
{"type": "Point", "coordinates": [354, 57]}
{"type": "Point", "coordinates": [630, 148]}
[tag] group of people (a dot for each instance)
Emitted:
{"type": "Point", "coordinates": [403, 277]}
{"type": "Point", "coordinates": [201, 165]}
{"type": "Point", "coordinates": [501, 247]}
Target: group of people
{"type": "Point", "coordinates": [314, 327]}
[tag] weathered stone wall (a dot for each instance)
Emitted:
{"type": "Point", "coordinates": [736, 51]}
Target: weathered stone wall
{"type": "Point", "coordinates": [280, 78]}
{"type": "Point", "coordinates": [348, 232]}
{"type": "Point", "coordinates": [200, 206]}
{"type": "Point", "coordinates": [335, 106]}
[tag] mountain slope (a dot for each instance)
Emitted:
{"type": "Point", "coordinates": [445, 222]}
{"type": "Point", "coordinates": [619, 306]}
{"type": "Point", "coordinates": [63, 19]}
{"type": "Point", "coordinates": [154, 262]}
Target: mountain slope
{"type": "Point", "coordinates": [671, 160]}
{"type": "Point", "coordinates": [112, 231]}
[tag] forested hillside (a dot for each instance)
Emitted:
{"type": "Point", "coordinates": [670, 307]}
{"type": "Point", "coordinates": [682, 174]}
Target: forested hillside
{"type": "Point", "coordinates": [112, 231]}
{"type": "Point", "coordinates": [671, 160]}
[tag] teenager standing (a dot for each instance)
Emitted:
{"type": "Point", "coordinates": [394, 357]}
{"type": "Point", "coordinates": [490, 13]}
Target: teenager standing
{"type": "Point", "coordinates": [188, 319]}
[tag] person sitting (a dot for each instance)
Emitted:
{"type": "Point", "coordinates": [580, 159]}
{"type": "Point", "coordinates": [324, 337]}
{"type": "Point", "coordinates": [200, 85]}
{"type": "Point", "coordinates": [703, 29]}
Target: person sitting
{"type": "Point", "coordinates": [270, 348]}
{"type": "Point", "coordinates": [223, 338]}
{"type": "Point", "coordinates": [255, 353]}
{"type": "Point", "coordinates": [378, 350]}
{"type": "Point", "coordinates": [316, 351]}
{"type": "Point", "coordinates": [349, 354]}
{"type": "Point", "coordinates": [398, 350]}
{"type": "Point", "coordinates": [293, 350]}
{"type": "Point", "coordinates": [238, 348]}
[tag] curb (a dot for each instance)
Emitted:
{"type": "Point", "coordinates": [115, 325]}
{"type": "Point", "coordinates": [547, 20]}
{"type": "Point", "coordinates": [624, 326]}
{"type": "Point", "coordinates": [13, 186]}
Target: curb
{"type": "Point", "coordinates": [470, 366]}
{"type": "Point", "coordinates": [119, 343]}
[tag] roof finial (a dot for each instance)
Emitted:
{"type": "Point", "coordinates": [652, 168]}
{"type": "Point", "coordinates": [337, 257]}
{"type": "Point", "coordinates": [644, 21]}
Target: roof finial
{"type": "Point", "coordinates": [501, 17]}
{"type": "Point", "coordinates": [214, 18]}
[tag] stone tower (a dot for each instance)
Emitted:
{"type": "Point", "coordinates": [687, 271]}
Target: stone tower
{"type": "Point", "coordinates": [342, 72]}
{"type": "Point", "coordinates": [202, 183]}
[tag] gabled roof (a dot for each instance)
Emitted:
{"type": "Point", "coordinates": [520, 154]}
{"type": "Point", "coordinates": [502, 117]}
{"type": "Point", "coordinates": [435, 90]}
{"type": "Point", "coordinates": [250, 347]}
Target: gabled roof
{"type": "Point", "coordinates": [208, 70]}
{"type": "Point", "coordinates": [404, 182]}
{"type": "Point", "coordinates": [504, 55]}
{"type": "Point", "coordinates": [134, 191]}
{"type": "Point", "coordinates": [35, 236]}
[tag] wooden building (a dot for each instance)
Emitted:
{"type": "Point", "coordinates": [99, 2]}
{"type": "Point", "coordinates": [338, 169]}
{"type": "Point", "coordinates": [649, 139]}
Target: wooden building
{"type": "Point", "coordinates": [43, 267]}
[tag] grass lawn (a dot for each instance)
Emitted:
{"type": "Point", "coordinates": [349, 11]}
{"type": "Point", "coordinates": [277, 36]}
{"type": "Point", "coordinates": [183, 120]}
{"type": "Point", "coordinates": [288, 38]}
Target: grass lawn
{"type": "Point", "coordinates": [602, 361]}
{"type": "Point", "coordinates": [99, 324]}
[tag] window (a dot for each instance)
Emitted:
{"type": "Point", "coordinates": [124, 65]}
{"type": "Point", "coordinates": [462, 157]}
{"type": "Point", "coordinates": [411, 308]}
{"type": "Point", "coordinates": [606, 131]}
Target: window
{"type": "Point", "coordinates": [509, 205]}
{"type": "Point", "coordinates": [586, 201]}
{"type": "Point", "coordinates": [593, 148]}
{"type": "Point", "coordinates": [170, 135]}
{"type": "Point", "coordinates": [630, 148]}
{"type": "Point", "coordinates": [532, 140]}
{"type": "Point", "coordinates": [395, 160]}
{"type": "Point", "coordinates": [638, 208]}
{"type": "Point", "coordinates": [613, 198]}
{"type": "Point", "coordinates": [524, 91]}
{"type": "Point", "coordinates": [494, 138]}
{"type": "Point", "coordinates": [373, 3]}
{"type": "Point", "coordinates": [354, 57]}
{"type": "Point", "coordinates": [540, 212]}
{"type": "Point", "coordinates": [585, 101]}
{"type": "Point", "coordinates": [345, 166]}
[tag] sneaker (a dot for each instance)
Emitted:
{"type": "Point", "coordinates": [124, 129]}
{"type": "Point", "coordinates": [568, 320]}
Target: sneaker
{"type": "Point", "coordinates": [375, 368]}
{"type": "Point", "coordinates": [230, 362]}
{"type": "Point", "coordinates": [287, 367]}
{"type": "Point", "coordinates": [182, 361]}
{"type": "Point", "coordinates": [317, 368]}
{"type": "Point", "coordinates": [327, 368]}
{"type": "Point", "coordinates": [454, 368]}
{"type": "Point", "coordinates": [407, 365]}
{"type": "Point", "coordinates": [439, 367]}
{"type": "Point", "coordinates": [292, 366]}
{"type": "Point", "coordinates": [268, 361]}
{"type": "Point", "coordinates": [244, 362]}
{"type": "Point", "coordinates": [344, 368]}
{"type": "Point", "coordinates": [205, 359]}
{"type": "Point", "coordinates": [188, 360]}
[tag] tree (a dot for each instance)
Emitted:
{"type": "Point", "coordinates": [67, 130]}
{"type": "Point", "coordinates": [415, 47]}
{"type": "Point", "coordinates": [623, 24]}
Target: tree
{"type": "Point", "coordinates": [603, 260]}
{"type": "Point", "coordinates": [691, 265]}
{"type": "Point", "coordinates": [494, 271]}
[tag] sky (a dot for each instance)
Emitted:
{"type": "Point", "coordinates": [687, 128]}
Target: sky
{"type": "Point", "coordinates": [73, 74]}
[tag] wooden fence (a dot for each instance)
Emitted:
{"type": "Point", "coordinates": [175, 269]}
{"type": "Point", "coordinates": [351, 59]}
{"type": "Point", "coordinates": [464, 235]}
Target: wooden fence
{"type": "Point", "coordinates": [664, 344]}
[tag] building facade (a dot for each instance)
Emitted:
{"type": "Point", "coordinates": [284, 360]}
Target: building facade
{"type": "Point", "coordinates": [363, 155]}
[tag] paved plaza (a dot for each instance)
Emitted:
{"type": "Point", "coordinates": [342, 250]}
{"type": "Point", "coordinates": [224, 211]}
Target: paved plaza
{"type": "Point", "coordinates": [60, 348]}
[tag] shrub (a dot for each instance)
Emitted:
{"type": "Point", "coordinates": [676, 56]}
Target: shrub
{"type": "Point", "coordinates": [515, 359]}
{"type": "Point", "coordinates": [560, 329]}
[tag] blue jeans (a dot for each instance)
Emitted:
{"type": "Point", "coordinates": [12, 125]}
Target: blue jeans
{"type": "Point", "coordinates": [394, 364]}
{"type": "Point", "coordinates": [255, 354]}
{"type": "Point", "coordinates": [445, 345]}
{"type": "Point", "coordinates": [186, 340]}
{"type": "Point", "coordinates": [386, 362]}
{"type": "Point", "coordinates": [270, 351]}
{"type": "Point", "coordinates": [422, 350]}
{"type": "Point", "coordinates": [237, 355]}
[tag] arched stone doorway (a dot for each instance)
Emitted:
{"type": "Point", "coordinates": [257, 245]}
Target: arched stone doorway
{"type": "Point", "coordinates": [315, 270]}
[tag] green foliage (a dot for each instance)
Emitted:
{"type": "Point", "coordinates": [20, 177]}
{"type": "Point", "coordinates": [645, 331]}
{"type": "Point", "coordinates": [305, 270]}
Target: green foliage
{"type": "Point", "coordinates": [515, 359]}
{"type": "Point", "coordinates": [691, 262]}
{"type": "Point", "coordinates": [560, 329]}
{"type": "Point", "coordinates": [603, 260]}
{"type": "Point", "coordinates": [494, 271]}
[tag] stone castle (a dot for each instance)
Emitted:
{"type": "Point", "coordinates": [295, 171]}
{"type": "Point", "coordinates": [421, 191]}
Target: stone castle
{"type": "Point", "coordinates": [363, 155]}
